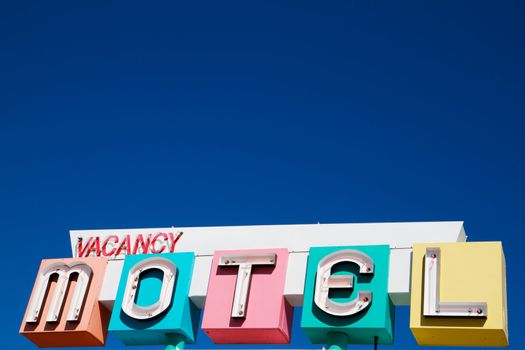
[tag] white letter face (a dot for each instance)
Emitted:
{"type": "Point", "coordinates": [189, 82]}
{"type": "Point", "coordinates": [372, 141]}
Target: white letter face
{"type": "Point", "coordinates": [169, 270]}
{"type": "Point", "coordinates": [325, 281]}
{"type": "Point", "coordinates": [64, 272]}
{"type": "Point", "coordinates": [245, 263]}
{"type": "Point", "coordinates": [431, 304]}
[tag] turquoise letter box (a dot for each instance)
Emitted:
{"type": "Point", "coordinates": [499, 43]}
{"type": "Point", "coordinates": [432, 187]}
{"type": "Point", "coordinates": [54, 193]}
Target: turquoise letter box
{"type": "Point", "coordinates": [346, 295]}
{"type": "Point", "coordinates": [152, 306]}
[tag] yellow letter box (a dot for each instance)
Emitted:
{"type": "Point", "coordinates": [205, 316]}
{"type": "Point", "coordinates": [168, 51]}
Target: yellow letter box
{"type": "Point", "coordinates": [458, 294]}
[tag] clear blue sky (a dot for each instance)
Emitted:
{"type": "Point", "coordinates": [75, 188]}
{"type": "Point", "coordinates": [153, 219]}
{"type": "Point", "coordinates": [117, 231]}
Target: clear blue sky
{"type": "Point", "coordinates": [151, 114]}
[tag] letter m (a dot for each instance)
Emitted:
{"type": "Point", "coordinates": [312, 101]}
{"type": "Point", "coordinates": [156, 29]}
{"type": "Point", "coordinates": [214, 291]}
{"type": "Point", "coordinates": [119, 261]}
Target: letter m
{"type": "Point", "coordinates": [65, 273]}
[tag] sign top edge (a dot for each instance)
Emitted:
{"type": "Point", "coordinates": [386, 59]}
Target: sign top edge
{"type": "Point", "coordinates": [458, 223]}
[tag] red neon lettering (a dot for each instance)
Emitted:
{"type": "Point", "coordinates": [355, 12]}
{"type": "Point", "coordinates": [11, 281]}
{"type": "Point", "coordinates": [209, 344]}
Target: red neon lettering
{"type": "Point", "coordinates": [124, 245]}
{"type": "Point", "coordinates": [173, 240]}
{"type": "Point", "coordinates": [141, 244]}
{"type": "Point", "coordinates": [104, 246]}
{"type": "Point", "coordinates": [94, 247]}
{"type": "Point", "coordinates": [139, 241]}
{"type": "Point", "coordinates": [82, 251]}
{"type": "Point", "coordinates": [163, 247]}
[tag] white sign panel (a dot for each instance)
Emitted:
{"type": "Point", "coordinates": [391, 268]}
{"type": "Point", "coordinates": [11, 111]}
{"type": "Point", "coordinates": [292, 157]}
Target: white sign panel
{"type": "Point", "coordinates": [203, 241]}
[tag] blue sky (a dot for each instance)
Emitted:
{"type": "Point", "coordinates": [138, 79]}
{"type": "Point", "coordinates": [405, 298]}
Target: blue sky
{"type": "Point", "coordinates": [150, 114]}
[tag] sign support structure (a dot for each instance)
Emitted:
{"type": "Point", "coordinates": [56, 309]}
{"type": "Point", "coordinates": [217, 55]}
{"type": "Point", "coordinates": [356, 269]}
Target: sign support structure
{"type": "Point", "coordinates": [337, 341]}
{"type": "Point", "coordinates": [175, 342]}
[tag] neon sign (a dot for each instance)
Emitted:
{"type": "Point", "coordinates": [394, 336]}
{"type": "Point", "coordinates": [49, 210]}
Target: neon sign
{"type": "Point", "coordinates": [64, 272]}
{"type": "Point", "coordinates": [169, 274]}
{"type": "Point", "coordinates": [146, 287]}
{"type": "Point", "coordinates": [326, 281]}
{"type": "Point", "coordinates": [114, 246]}
{"type": "Point", "coordinates": [244, 262]}
{"type": "Point", "coordinates": [432, 305]}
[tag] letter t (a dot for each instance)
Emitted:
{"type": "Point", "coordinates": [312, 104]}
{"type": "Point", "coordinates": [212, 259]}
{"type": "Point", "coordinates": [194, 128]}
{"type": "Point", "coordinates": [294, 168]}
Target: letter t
{"type": "Point", "coordinates": [245, 263]}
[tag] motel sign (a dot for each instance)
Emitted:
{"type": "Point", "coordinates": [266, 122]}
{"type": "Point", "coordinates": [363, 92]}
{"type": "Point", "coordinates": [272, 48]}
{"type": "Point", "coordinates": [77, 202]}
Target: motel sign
{"type": "Point", "coordinates": [149, 286]}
